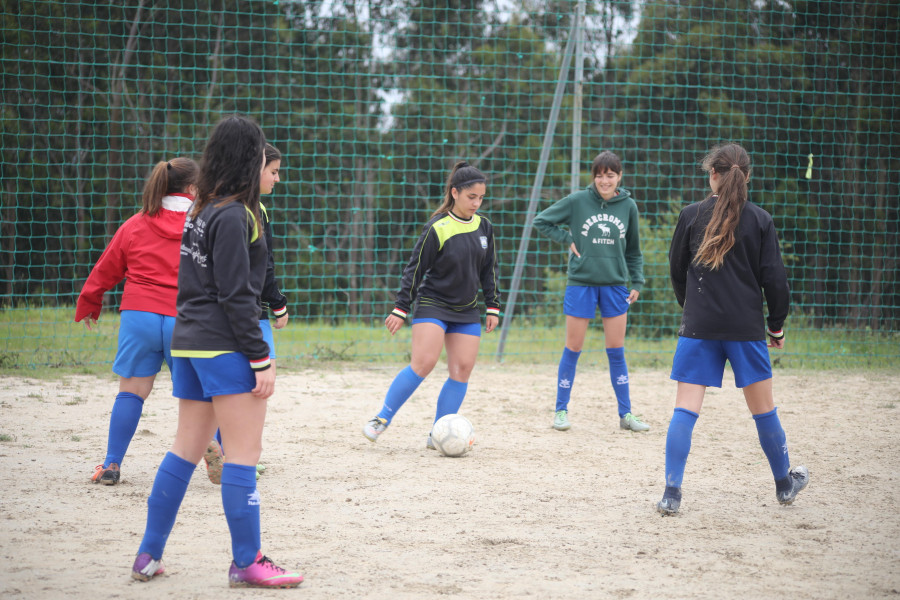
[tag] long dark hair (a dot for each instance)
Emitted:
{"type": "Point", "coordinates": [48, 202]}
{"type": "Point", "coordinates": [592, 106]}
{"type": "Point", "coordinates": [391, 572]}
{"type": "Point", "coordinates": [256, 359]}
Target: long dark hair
{"type": "Point", "coordinates": [732, 164]}
{"type": "Point", "coordinates": [231, 165]}
{"type": "Point", "coordinates": [272, 154]}
{"type": "Point", "coordinates": [174, 176]}
{"type": "Point", "coordinates": [462, 176]}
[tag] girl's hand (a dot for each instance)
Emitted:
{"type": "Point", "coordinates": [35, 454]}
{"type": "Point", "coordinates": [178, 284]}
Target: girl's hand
{"type": "Point", "coordinates": [89, 322]}
{"type": "Point", "coordinates": [393, 323]}
{"type": "Point", "coordinates": [633, 296]}
{"type": "Point", "coordinates": [265, 383]}
{"type": "Point", "coordinates": [491, 322]}
{"type": "Point", "coordinates": [574, 250]}
{"type": "Point", "coordinates": [773, 343]}
{"type": "Point", "coordinates": [281, 321]}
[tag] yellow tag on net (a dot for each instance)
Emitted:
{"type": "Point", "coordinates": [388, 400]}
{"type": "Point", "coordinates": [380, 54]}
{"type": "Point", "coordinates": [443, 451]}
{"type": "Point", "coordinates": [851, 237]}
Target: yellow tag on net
{"type": "Point", "coordinates": [809, 167]}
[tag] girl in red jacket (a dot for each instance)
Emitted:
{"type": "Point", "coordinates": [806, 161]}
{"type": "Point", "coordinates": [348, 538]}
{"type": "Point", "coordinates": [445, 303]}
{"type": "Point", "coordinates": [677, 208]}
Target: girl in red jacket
{"type": "Point", "coordinates": [145, 252]}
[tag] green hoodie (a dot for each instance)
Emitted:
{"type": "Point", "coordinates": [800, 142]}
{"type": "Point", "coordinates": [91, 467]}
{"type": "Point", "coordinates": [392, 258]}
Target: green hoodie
{"type": "Point", "coordinates": [605, 232]}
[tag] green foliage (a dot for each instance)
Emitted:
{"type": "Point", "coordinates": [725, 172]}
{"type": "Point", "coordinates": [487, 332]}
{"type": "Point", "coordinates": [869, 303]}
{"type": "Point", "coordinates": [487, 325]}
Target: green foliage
{"type": "Point", "coordinates": [656, 314]}
{"type": "Point", "coordinates": [372, 102]}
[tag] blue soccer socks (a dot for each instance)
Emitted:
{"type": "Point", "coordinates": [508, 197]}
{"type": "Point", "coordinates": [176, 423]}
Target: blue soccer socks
{"type": "Point", "coordinates": [774, 444]}
{"type": "Point", "coordinates": [169, 486]}
{"type": "Point", "coordinates": [565, 378]}
{"type": "Point", "coordinates": [678, 445]}
{"type": "Point", "coordinates": [618, 375]}
{"type": "Point", "coordinates": [123, 422]}
{"type": "Point", "coordinates": [403, 386]}
{"type": "Point", "coordinates": [240, 499]}
{"type": "Point", "coordinates": [451, 398]}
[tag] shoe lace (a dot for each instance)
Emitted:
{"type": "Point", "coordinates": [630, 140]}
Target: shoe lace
{"type": "Point", "coordinates": [267, 562]}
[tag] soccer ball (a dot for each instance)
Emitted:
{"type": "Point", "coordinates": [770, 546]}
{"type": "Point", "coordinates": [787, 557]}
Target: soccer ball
{"type": "Point", "coordinates": [453, 435]}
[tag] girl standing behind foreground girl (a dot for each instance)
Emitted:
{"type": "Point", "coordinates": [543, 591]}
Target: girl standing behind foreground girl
{"type": "Point", "coordinates": [723, 260]}
{"type": "Point", "coordinates": [599, 226]}
{"type": "Point", "coordinates": [271, 297]}
{"type": "Point", "coordinates": [144, 252]}
{"type": "Point", "coordinates": [221, 372]}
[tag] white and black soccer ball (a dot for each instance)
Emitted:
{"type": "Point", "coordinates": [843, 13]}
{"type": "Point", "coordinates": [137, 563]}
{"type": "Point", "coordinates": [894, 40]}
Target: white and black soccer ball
{"type": "Point", "coordinates": [453, 435]}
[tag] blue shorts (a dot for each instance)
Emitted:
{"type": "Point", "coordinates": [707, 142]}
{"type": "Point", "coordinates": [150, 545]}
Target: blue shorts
{"type": "Point", "coordinates": [583, 300]}
{"type": "Point", "coordinates": [453, 327]}
{"type": "Point", "coordinates": [268, 336]}
{"type": "Point", "coordinates": [702, 362]}
{"type": "Point", "coordinates": [203, 378]}
{"type": "Point", "coordinates": [145, 341]}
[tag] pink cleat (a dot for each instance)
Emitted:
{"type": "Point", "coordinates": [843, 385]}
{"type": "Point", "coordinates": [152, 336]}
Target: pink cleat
{"type": "Point", "coordinates": [146, 567]}
{"type": "Point", "coordinates": [262, 573]}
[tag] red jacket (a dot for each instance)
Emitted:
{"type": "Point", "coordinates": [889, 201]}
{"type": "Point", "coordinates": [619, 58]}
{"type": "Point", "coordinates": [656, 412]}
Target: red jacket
{"type": "Point", "coordinates": [145, 252]}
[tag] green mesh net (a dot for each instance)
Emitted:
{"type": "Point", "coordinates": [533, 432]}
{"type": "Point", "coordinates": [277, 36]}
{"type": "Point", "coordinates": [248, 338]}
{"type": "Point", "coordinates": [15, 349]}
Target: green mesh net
{"type": "Point", "coordinates": [371, 103]}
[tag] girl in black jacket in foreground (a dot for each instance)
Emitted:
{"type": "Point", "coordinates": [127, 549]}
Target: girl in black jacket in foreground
{"type": "Point", "coordinates": [221, 371]}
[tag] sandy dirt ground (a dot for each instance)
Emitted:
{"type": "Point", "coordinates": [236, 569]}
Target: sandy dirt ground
{"type": "Point", "coordinates": [531, 512]}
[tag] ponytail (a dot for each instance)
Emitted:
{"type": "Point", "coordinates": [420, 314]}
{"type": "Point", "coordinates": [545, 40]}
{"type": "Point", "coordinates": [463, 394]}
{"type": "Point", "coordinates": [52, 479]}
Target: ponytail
{"type": "Point", "coordinates": [168, 177]}
{"type": "Point", "coordinates": [462, 176]}
{"type": "Point", "coordinates": [732, 164]}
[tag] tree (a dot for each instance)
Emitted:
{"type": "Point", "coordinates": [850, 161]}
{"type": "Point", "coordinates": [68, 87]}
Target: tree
{"type": "Point", "coordinates": [784, 82]}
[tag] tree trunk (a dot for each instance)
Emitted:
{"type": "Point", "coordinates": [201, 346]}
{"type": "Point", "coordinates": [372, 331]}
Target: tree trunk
{"type": "Point", "coordinates": [369, 238]}
{"type": "Point", "coordinates": [114, 156]}
{"type": "Point", "coordinates": [8, 227]}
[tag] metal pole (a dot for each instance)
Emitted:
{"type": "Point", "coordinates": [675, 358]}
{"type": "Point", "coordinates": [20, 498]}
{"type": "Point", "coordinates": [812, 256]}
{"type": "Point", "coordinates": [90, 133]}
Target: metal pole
{"type": "Point", "coordinates": [579, 95]}
{"type": "Point", "coordinates": [536, 191]}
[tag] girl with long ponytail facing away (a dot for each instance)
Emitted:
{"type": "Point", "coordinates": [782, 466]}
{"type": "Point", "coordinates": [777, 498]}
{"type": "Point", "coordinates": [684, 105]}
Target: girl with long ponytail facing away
{"type": "Point", "coordinates": [725, 263]}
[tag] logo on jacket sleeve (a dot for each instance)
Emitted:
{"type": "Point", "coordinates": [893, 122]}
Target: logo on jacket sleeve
{"type": "Point", "coordinates": [483, 239]}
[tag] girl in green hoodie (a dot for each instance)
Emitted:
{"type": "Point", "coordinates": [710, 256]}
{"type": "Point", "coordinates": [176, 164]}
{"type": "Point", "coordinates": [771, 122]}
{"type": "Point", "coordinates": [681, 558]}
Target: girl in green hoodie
{"type": "Point", "coordinates": [599, 225]}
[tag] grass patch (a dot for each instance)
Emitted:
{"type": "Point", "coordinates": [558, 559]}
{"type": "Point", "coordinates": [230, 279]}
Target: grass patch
{"type": "Point", "coordinates": [9, 360]}
{"type": "Point", "coordinates": [48, 344]}
{"type": "Point", "coordinates": [5, 437]}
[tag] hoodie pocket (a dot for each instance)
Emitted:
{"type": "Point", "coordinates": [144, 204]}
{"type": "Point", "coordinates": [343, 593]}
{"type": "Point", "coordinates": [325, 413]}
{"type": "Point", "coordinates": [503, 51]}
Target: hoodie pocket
{"type": "Point", "coordinates": [599, 270]}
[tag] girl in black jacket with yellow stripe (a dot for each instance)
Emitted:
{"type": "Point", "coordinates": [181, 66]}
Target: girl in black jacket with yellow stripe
{"type": "Point", "coordinates": [452, 259]}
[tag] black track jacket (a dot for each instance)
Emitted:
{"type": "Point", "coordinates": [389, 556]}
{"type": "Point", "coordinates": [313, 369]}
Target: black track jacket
{"type": "Point", "coordinates": [451, 259]}
{"type": "Point", "coordinates": [220, 278]}
{"type": "Point", "coordinates": [727, 303]}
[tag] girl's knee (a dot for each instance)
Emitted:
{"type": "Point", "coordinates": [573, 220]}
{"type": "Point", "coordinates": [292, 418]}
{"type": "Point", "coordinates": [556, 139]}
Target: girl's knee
{"type": "Point", "coordinates": [422, 368]}
{"type": "Point", "coordinates": [462, 371]}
